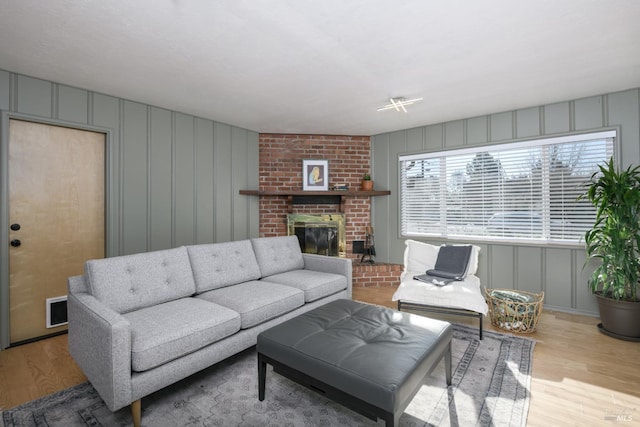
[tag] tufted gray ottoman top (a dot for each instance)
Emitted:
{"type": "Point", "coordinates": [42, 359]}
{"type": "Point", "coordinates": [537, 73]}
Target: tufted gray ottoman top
{"type": "Point", "coordinates": [375, 354]}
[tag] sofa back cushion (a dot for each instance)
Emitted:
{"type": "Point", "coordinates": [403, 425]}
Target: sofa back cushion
{"type": "Point", "coordinates": [130, 282]}
{"type": "Point", "coordinates": [277, 254]}
{"type": "Point", "coordinates": [218, 265]}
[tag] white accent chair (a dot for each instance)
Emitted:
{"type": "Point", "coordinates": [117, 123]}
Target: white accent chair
{"type": "Point", "coordinates": [461, 298]}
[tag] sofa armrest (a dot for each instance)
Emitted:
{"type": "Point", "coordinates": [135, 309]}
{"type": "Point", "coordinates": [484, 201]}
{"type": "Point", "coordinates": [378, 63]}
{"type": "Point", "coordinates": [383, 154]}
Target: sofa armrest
{"type": "Point", "coordinates": [329, 264]}
{"type": "Point", "coordinates": [100, 343]}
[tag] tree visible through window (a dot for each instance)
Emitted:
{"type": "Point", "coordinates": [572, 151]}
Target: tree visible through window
{"type": "Point", "coordinates": [514, 191]}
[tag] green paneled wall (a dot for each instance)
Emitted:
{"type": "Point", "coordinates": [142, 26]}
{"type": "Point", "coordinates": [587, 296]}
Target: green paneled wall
{"type": "Point", "coordinates": [173, 179]}
{"type": "Point", "coordinates": [556, 271]}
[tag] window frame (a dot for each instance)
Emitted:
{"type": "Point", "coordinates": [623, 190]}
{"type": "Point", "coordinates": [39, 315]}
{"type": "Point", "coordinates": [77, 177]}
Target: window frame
{"type": "Point", "coordinates": [612, 133]}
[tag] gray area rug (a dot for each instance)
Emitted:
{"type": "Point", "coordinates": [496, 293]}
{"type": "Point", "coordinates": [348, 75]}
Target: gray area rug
{"type": "Point", "coordinates": [491, 387]}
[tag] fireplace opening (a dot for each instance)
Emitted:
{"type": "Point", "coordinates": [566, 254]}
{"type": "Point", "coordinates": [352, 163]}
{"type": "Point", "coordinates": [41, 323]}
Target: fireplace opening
{"type": "Point", "coordinates": [318, 234]}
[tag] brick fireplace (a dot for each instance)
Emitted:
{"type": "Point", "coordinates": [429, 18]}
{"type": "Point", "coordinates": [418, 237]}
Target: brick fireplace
{"type": "Point", "coordinates": [349, 158]}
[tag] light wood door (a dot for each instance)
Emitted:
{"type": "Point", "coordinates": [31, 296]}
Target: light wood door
{"type": "Point", "coordinates": [56, 199]}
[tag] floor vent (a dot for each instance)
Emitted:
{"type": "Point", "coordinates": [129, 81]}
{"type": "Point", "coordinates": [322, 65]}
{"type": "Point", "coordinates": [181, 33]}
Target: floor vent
{"type": "Point", "coordinates": [56, 311]}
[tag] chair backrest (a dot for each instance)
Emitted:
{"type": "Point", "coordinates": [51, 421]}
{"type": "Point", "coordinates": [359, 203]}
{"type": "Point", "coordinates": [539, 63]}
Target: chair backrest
{"type": "Point", "coordinates": [421, 256]}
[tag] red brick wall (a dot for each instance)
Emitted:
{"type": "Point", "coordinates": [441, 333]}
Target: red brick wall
{"type": "Point", "coordinates": [281, 158]}
{"type": "Point", "coordinates": [349, 158]}
{"type": "Point", "coordinates": [373, 275]}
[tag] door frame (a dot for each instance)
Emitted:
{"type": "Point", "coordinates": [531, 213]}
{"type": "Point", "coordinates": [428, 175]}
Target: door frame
{"type": "Point", "coordinates": [5, 316]}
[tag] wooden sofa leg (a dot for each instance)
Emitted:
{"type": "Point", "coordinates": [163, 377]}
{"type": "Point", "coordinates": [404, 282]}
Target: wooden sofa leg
{"type": "Point", "coordinates": [136, 409]}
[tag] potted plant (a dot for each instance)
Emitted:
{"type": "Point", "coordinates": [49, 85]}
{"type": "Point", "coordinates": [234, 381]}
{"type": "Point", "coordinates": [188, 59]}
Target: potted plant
{"type": "Point", "coordinates": [367, 183]}
{"type": "Point", "coordinates": [614, 240]}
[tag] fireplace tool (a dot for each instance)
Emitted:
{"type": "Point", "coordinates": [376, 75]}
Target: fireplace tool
{"type": "Point", "coordinates": [369, 252]}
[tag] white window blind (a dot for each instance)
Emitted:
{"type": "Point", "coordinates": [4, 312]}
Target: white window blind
{"type": "Point", "coordinates": [522, 191]}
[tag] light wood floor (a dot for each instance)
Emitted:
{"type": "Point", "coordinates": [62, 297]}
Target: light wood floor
{"type": "Point", "coordinates": [580, 376]}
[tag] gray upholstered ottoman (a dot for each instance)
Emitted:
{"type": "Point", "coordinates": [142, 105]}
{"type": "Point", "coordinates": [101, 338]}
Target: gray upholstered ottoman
{"type": "Point", "coordinates": [370, 359]}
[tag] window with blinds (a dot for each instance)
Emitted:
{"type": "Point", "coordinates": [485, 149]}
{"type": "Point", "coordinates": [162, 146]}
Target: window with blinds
{"type": "Point", "coordinates": [522, 191]}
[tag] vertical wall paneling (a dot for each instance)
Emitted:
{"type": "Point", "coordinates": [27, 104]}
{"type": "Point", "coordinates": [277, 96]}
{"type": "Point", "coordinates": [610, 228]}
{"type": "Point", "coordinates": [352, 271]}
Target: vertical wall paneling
{"type": "Point", "coordinates": [105, 112]}
{"type": "Point", "coordinates": [253, 178]}
{"type": "Point", "coordinates": [221, 183]}
{"type": "Point", "coordinates": [557, 118]}
{"type": "Point", "coordinates": [134, 178]}
{"type": "Point", "coordinates": [204, 181]}
{"type": "Point", "coordinates": [529, 267]}
{"type": "Point", "coordinates": [415, 139]}
{"type": "Point", "coordinates": [556, 270]}
{"type": "Point", "coordinates": [184, 180]}
{"type": "Point", "coordinates": [160, 179]}
{"type": "Point", "coordinates": [34, 96]}
{"type": "Point", "coordinates": [239, 153]}
{"type": "Point", "coordinates": [477, 131]}
{"type": "Point", "coordinates": [558, 277]}
{"type": "Point", "coordinates": [528, 122]}
{"type": "Point", "coordinates": [589, 113]}
{"type": "Point", "coordinates": [501, 126]}
{"type": "Point", "coordinates": [381, 176]}
{"type": "Point", "coordinates": [502, 266]}
{"type": "Point", "coordinates": [483, 264]}
{"type": "Point", "coordinates": [434, 137]}
{"type": "Point", "coordinates": [72, 104]}
{"type": "Point", "coordinates": [584, 301]}
{"type": "Point", "coordinates": [624, 110]}
{"type": "Point", "coordinates": [454, 134]}
{"type": "Point", "coordinates": [386, 207]}
{"type": "Point", "coordinates": [5, 90]}
{"type": "Point", "coordinates": [172, 178]}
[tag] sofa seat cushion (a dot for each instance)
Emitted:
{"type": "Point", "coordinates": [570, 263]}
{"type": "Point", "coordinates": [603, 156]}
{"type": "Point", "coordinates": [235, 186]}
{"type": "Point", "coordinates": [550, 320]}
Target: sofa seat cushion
{"type": "Point", "coordinates": [131, 282]}
{"type": "Point", "coordinates": [173, 329]}
{"type": "Point", "coordinates": [222, 264]}
{"type": "Point", "coordinates": [257, 301]}
{"type": "Point", "coordinates": [314, 284]}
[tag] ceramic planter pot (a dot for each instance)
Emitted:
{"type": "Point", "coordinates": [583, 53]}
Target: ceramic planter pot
{"type": "Point", "coordinates": [367, 185]}
{"type": "Point", "coordinates": [620, 319]}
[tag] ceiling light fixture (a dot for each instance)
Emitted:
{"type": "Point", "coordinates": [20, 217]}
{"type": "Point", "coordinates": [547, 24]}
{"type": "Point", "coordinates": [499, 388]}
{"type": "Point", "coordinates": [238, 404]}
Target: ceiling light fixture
{"type": "Point", "coordinates": [399, 103]}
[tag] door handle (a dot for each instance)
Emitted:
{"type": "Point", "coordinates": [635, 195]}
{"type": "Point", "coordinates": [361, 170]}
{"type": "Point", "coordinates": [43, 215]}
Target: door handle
{"type": "Point", "coordinates": [15, 243]}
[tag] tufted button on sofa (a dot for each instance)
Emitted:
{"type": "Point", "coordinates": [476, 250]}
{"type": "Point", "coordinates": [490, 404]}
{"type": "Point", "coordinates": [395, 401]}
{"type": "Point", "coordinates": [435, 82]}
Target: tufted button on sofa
{"type": "Point", "coordinates": [140, 322]}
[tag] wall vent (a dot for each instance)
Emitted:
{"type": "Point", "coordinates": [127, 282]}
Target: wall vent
{"type": "Point", "coordinates": [56, 311]}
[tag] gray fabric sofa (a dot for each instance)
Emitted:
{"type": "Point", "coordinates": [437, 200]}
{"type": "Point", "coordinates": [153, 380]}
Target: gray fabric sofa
{"type": "Point", "coordinates": [141, 322]}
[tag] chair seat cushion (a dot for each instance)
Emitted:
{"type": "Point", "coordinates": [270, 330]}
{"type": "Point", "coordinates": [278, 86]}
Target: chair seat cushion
{"type": "Point", "coordinates": [170, 330]}
{"type": "Point", "coordinates": [465, 294]}
{"type": "Point", "coordinates": [314, 284]}
{"type": "Point", "coordinates": [256, 301]}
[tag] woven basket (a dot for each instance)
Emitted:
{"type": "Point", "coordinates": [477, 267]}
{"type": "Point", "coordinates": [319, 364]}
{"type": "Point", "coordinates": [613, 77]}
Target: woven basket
{"type": "Point", "coordinates": [513, 310]}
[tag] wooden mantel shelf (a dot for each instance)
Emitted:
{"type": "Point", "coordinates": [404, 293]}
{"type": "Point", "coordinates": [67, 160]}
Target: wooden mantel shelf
{"type": "Point", "coordinates": [319, 197]}
{"type": "Point", "coordinates": [345, 193]}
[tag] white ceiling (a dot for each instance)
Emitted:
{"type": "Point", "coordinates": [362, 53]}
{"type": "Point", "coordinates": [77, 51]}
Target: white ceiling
{"type": "Point", "coordinates": [325, 66]}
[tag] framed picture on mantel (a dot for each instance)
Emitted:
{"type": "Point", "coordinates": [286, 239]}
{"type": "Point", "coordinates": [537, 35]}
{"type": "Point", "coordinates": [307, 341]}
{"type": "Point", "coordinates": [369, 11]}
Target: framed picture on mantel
{"type": "Point", "coordinates": [315, 175]}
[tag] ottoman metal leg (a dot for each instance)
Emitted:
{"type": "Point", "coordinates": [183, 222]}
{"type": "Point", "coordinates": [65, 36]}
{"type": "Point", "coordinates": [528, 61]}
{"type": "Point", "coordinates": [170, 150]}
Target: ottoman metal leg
{"type": "Point", "coordinates": [447, 364]}
{"type": "Point", "coordinates": [262, 376]}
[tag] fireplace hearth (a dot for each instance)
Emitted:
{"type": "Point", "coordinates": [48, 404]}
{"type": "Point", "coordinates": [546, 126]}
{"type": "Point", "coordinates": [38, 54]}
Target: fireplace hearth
{"type": "Point", "coordinates": [319, 234]}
